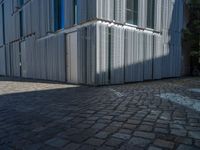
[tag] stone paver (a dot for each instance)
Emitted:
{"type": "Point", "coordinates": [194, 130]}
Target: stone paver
{"type": "Point", "coordinates": [37, 115]}
{"type": "Point", "coordinates": [164, 143]}
{"type": "Point", "coordinates": [56, 142]}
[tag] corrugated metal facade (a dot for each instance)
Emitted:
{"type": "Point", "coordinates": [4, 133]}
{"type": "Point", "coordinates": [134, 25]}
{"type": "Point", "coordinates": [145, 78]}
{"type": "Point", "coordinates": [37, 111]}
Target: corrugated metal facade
{"type": "Point", "coordinates": [95, 46]}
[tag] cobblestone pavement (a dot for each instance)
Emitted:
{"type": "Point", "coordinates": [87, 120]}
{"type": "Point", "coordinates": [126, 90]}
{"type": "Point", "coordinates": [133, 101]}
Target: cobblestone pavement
{"type": "Point", "coordinates": [50, 116]}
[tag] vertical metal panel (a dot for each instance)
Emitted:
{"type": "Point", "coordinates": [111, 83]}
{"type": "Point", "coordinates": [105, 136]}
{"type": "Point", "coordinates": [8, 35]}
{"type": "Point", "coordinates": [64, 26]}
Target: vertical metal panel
{"type": "Point", "coordinates": [27, 19]}
{"type": "Point", "coordinates": [158, 57]}
{"type": "Point", "coordinates": [8, 20]}
{"type": "Point", "coordinates": [120, 11]}
{"type": "Point", "coordinates": [23, 59]}
{"type": "Point", "coordinates": [41, 56]}
{"type": "Point", "coordinates": [158, 14]}
{"type": "Point", "coordinates": [71, 55]}
{"type": "Point", "coordinates": [15, 59]}
{"type": "Point", "coordinates": [117, 55]}
{"type": "Point", "coordinates": [91, 54]}
{"type": "Point", "coordinates": [138, 55]}
{"type": "Point", "coordinates": [92, 7]}
{"type": "Point", "coordinates": [172, 25]}
{"type": "Point", "coordinates": [51, 56]}
{"type": "Point", "coordinates": [131, 47]}
{"type": "Point", "coordinates": [102, 54]}
{"type": "Point", "coordinates": [105, 9]}
{"type": "Point", "coordinates": [142, 14]}
{"type": "Point", "coordinates": [35, 16]}
{"type": "Point", "coordinates": [1, 27]}
{"type": "Point", "coordinates": [82, 10]}
{"type": "Point", "coordinates": [2, 61]}
{"type": "Point", "coordinates": [148, 56]}
{"type": "Point", "coordinates": [16, 26]}
{"type": "Point", "coordinates": [82, 56]}
{"type": "Point", "coordinates": [55, 58]}
{"type": "Point", "coordinates": [8, 60]}
{"type": "Point", "coordinates": [97, 51]}
{"type": "Point", "coordinates": [28, 57]}
{"type": "Point", "coordinates": [69, 13]}
{"type": "Point", "coordinates": [61, 58]}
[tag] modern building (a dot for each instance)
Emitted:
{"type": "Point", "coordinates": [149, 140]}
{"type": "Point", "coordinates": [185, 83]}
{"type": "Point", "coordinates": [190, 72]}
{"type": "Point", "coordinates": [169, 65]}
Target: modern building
{"type": "Point", "coordinates": [94, 42]}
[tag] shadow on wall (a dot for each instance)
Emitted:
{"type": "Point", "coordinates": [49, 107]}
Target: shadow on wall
{"type": "Point", "coordinates": [161, 58]}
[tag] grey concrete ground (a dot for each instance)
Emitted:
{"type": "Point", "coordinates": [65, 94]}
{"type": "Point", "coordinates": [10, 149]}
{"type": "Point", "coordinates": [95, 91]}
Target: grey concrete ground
{"type": "Point", "coordinates": [48, 116]}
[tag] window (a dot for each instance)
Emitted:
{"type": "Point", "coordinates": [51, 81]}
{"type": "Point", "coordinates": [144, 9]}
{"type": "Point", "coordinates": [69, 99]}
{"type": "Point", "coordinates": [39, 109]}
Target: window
{"type": "Point", "coordinates": [132, 12]}
{"type": "Point", "coordinates": [75, 12]}
{"type": "Point", "coordinates": [150, 13]}
{"type": "Point", "coordinates": [58, 14]}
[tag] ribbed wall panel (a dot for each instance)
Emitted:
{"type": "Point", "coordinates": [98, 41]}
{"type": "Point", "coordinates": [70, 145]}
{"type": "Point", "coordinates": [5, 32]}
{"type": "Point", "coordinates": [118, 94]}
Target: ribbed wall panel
{"type": "Point", "coordinates": [158, 57]}
{"type": "Point", "coordinates": [15, 59]}
{"type": "Point", "coordinates": [1, 27]}
{"type": "Point", "coordinates": [71, 58]}
{"type": "Point", "coordinates": [82, 67]}
{"type": "Point", "coordinates": [8, 60]}
{"type": "Point", "coordinates": [138, 55]}
{"type": "Point", "coordinates": [86, 10]}
{"type": "Point", "coordinates": [102, 54]}
{"type": "Point", "coordinates": [2, 61]}
{"type": "Point", "coordinates": [92, 7]}
{"type": "Point", "coordinates": [106, 53]}
{"type": "Point", "coordinates": [82, 10]}
{"type": "Point", "coordinates": [27, 19]}
{"type": "Point", "coordinates": [35, 13]}
{"type": "Point", "coordinates": [55, 58]}
{"type": "Point", "coordinates": [105, 9]}
{"type": "Point", "coordinates": [8, 20]}
{"type": "Point", "coordinates": [148, 56]}
{"type": "Point", "coordinates": [91, 54]}
{"type": "Point", "coordinates": [142, 14]}
{"type": "Point", "coordinates": [69, 13]}
{"type": "Point", "coordinates": [158, 14]}
{"type": "Point", "coordinates": [28, 57]}
{"type": "Point", "coordinates": [41, 56]}
{"type": "Point", "coordinates": [120, 11]}
{"type": "Point", "coordinates": [61, 58]}
{"type": "Point", "coordinates": [131, 50]}
{"type": "Point", "coordinates": [116, 55]}
{"type": "Point", "coordinates": [16, 27]}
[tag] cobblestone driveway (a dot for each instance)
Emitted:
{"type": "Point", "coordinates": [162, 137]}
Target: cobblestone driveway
{"type": "Point", "coordinates": [49, 116]}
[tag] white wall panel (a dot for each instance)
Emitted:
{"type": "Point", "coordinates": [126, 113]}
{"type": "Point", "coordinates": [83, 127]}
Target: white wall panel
{"type": "Point", "coordinates": [117, 55]}
{"type": "Point", "coordinates": [91, 54]}
{"type": "Point", "coordinates": [142, 14]}
{"type": "Point", "coordinates": [82, 55]}
{"type": "Point", "coordinates": [72, 55]}
{"type": "Point", "coordinates": [102, 54]}
{"type": "Point", "coordinates": [120, 11]}
{"type": "Point", "coordinates": [105, 9]}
